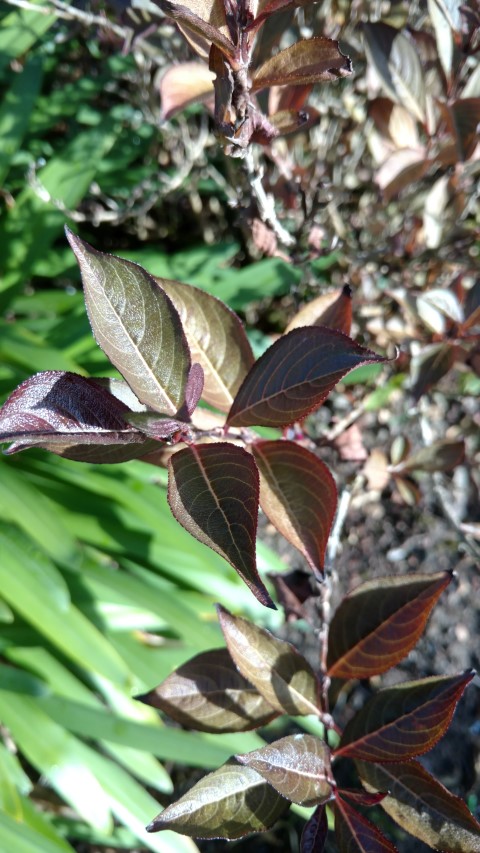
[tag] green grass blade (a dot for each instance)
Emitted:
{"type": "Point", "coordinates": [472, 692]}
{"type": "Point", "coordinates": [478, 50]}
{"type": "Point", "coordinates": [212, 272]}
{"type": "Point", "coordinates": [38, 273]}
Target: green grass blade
{"type": "Point", "coordinates": [16, 109]}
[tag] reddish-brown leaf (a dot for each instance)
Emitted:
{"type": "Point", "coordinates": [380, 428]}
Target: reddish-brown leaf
{"type": "Point", "coordinates": [306, 61]}
{"type": "Point", "coordinates": [430, 366]}
{"type": "Point", "coordinates": [315, 831]}
{"type": "Point", "coordinates": [282, 675]}
{"type": "Point", "coordinates": [299, 496]}
{"type": "Point", "coordinates": [465, 118]}
{"type": "Point", "coordinates": [330, 309]}
{"type": "Point", "coordinates": [210, 695]}
{"type": "Point", "coordinates": [297, 766]}
{"type": "Point", "coordinates": [402, 722]}
{"type": "Point", "coordinates": [355, 834]}
{"type": "Point", "coordinates": [423, 807]}
{"type": "Point", "coordinates": [183, 84]}
{"type": "Point", "coordinates": [378, 623]}
{"type": "Point", "coordinates": [213, 492]}
{"type": "Point", "coordinates": [202, 22]}
{"type": "Point", "coordinates": [442, 455]}
{"type": "Point", "coordinates": [363, 798]}
{"type": "Point", "coordinates": [295, 375]}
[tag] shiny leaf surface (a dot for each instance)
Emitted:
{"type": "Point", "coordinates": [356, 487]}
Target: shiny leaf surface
{"type": "Point", "coordinates": [297, 766]}
{"type": "Point", "coordinates": [209, 694]}
{"type": "Point", "coordinates": [299, 496]}
{"type": "Point", "coordinates": [213, 492]}
{"type": "Point", "coordinates": [356, 834]}
{"type": "Point", "coordinates": [136, 325]}
{"type": "Point", "coordinates": [306, 61]}
{"type": "Point", "coordinates": [402, 722]}
{"type": "Point", "coordinates": [377, 624]}
{"type": "Point", "coordinates": [283, 676]}
{"type": "Point", "coordinates": [229, 803]}
{"type": "Point", "coordinates": [295, 375]}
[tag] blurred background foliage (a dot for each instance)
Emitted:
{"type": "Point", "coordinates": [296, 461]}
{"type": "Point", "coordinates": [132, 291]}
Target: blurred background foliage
{"type": "Point", "coordinates": [101, 592]}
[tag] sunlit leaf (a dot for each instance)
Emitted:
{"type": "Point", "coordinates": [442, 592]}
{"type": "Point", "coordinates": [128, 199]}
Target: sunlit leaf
{"type": "Point", "coordinates": [423, 807]}
{"type": "Point", "coordinates": [330, 309]}
{"type": "Point", "coordinates": [184, 84]}
{"type": "Point", "coordinates": [283, 676]}
{"type": "Point", "coordinates": [306, 61]}
{"type": "Point", "coordinates": [229, 803]}
{"type": "Point", "coordinates": [295, 375]}
{"type": "Point", "coordinates": [136, 325]}
{"type": "Point", "coordinates": [354, 833]}
{"type": "Point", "coordinates": [208, 694]}
{"type": "Point", "coordinates": [378, 623]}
{"type": "Point", "coordinates": [315, 831]}
{"type": "Point", "coordinates": [403, 721]}
{"type": "Point", "coordinates": [213, 492]}
{"type": "Point", "coordinates": [216, 338]}
{"type": "Point", "coordinates": [202, 22]}
{"type": "Point", "coordinates": [297, 766]}
{"type": "Point", "coordinates": [299, 496]}
{"type": "Point", "coordinates": [398, 65]}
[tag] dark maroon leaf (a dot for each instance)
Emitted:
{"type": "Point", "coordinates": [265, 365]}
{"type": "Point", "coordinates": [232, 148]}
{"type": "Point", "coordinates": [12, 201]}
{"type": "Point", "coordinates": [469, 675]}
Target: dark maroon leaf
{"type": "Point", "coordinates": [299, 496]}
{"type": "Point", "coordinates": [71, 416]}
{"type": "Point", "coordinates": [430, 366]}
{"type": "Point", "coordinates": [363, 798]}
{"type": "Point", "coordinates": [378, 623]}
{"type": "Point", "coordinates": [295, 375]}
{"type": "Point", "coordinates": [282, 675]}
{"type": "Point", "coordinates": [315, 831]}
{"type": "Point", "coordinates": [465, 116]}
{"type": "Point", "coordinates": [355, 834]}
{"type": "Point", "coordinates": [229, 803]}
{"type": "Point", "coordinates": [402, 722]}
{"type": "Point", "coordinates": [265, 8]}
{"type": "Point", "coordinates": [330, 309]}
{"type": "Point", "coordinates": [293, 589]}
{"type": "Point", "coordinates": [306, 61]}
{"type": "Point", "coordinates": [297, 766]}
{"type": "Point", "coordinates": [423, 807]}
{"type": "Point", "coordinates": [213, 492]}
{"type": "Point", "coordinates": [210, 695]}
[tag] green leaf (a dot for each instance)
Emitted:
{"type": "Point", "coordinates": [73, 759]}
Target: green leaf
{"type": "Point", "coordinates": [307, 61]}
{"type": "Point", "coordinates": [16, 109]}
{"type": "Point", "coordinates": [297, 766]}
{"type": "Point", "coordinates": [19, 31]}
{"type": "Point", "coordinates": [229, 803]}
{"type": "Point", "coordinates": [19, 836]}
{"type": "Point", "coordinates": [136, 325]}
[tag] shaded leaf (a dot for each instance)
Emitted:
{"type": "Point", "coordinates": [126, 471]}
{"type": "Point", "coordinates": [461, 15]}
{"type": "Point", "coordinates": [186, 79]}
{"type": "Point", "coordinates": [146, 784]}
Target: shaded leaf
{"type": "Point", "coordinates": [282, 675]}
{"type": "Point", "coordinates": [423, 807]}
{"type": "Point", "coordinates": [213, 492]}
{"type": "Point", "coordinates": [264, 8]}
{"type": "Point", "coordinates": [430, 366]}
{"type": "Point", "coordinates": [330, 309]}
{"type": "Point", "coordinates": [403, 721]}
{"type": "Point", "coordinates": [299, 496]}
{"type": "Point", "coordinates": [363, 798]}
{"type": "Point", "coordinates": [297, 766]}
{"type": "Point", "coordinates": [400, 170]}
{"type": "Point", "coordinates": [208, 694]}
{"type": "Point", "coordinates": [159, 427]}
{"type": "Point", "coordinates": [409, 490]}
{"type": "Point", "coordinates": [398, 65]}
{"type": "Point", "coordinates": [465, 117]}
{"type": "Point", "coordinates": [184, 84]}
{"type": "Point", "coordinates": [289, 121]}
{"type": "Point", "coordinates": [315, 831]}
{"type": "Point", "coordinates": [71, 416]}
{"type": "Point", "coordinates": [295, 375]}
{"type": "Point", "coordinates": [355, 834]}
{"type": "Point", "coordinates": [442, 455]}
{"type": "Point", "coordinates": [306, 61]}
{"type": "Point", "coordinates": [216, 338]}
{"type": "Point", "coordinates": [228, 803]}
{"type": "Point", "coordinates": [378, 623]}
{"type": "Point", "coordinates": [136, 325]}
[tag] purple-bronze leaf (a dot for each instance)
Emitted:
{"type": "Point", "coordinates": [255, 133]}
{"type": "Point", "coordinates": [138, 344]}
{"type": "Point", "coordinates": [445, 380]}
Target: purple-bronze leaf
{"type": "Point", "coordinates": [213, 492]}
{"type": "Point", "coordinates": [330, 309]}
{"type": "Point", "coordinates": [299, 496]}
{"type": "Point", "coordinates": [377, 624]}
{"type": "Point", "coordinates": [229, 803]}
{"type": "Point", "coordinates": [297, 766]}
{"type": "Point", "coordinates": [282, 675]}
{"type": "Point", "coordinates": [71, 416]}
{"type": "Point", "coordinates": [216, 338]}
{"type": "Point", "coordinates": [194, 388]}
{"type": "Point", "coordinates": [201, 22]}
{"type": "Point", "coordinates": [210, 695]}
{"type": "Point", "coordinates": [295, 375]}
{"type": "Point", "coordinates": [402, 722]}
{"type": "Point", "coordinates": [160, 427]}
{"type": "Point", "coordinates": [184, 84]}
{"type": "Point", "coordinates": [136, 325]}
{"type": "Point", "coordinates": [306, 61]}
{"type": "Point", "coordinates": [422, 806]}
{"type": "Point", "coordinates": [354, 833]}
{"type": "Point", "coordinates": [315, 831]}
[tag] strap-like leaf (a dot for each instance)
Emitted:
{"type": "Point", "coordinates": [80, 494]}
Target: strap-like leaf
{"type": "Point", "coordinates": [315, 831]}
{"type": "Point", "coordinates": [295, 375]}
{"type": "Point", "coordinates": [216, 338]}
{"type": "Point", "coordinates": [297, 766]}
{"type": "Point", "coordinates": [71, 416]}
{"type": "Point", "coordinates": [299, 496]}
{"type": "Point", "coordinates": [402, 722]}
{"type": "Point", "coordinates": [136, 325]}
{"type": "Point", "coordinates": [422, 806]}
{"type": "Point", "coordinates": [282, 675]}
{"type": "Point", "coordinates": [210, 695]}
{"type": "Point", "coordinates": [306, 61]}
{"type": "Point", "coordinates": [378, 623]}
{"type": "Point", "coordinates": [228, 803]}
{"type": "Point", "coordinates": [213, 492]}
{"type": "Point", "coordinates": [354, 833]}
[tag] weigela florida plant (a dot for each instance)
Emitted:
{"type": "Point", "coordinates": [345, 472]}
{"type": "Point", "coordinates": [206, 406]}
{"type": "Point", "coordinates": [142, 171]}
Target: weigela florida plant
{"type": "Point", "coordinates": [174, 345]}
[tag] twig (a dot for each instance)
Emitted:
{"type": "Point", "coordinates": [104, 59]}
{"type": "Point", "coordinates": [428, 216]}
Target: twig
{"type": "Point", "coordinates": [266, 203]}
